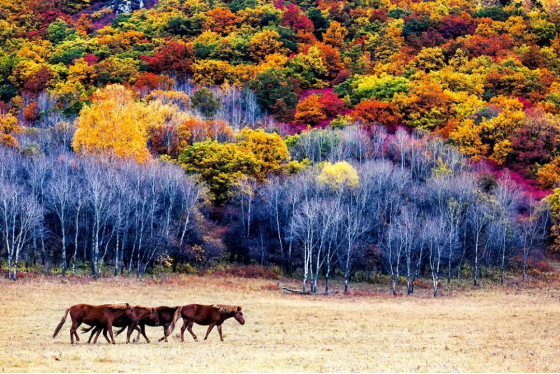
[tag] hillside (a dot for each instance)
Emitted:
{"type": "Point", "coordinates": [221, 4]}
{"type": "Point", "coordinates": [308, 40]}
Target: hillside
{"type": "Point", "coordinates": [319, 138]}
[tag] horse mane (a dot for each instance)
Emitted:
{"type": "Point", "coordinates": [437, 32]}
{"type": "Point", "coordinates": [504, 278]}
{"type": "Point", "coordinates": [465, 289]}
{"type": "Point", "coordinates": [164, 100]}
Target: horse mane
{"type": "Point", "coordinates": [118, 306]}
{"type": "Point", "coordinates": [222, 308]}
{"type": "Point", "coordinates": [142, 306]}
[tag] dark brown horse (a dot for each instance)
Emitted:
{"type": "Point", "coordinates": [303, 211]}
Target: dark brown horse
{"type": "Point", "coordinates": [141, 313]}
{"type": "Point", "coordinates": [167, 316]}
{"type": "Point", "coordinates": [209, 315]}
{"type": "Point", "coordinates": [95, 315]}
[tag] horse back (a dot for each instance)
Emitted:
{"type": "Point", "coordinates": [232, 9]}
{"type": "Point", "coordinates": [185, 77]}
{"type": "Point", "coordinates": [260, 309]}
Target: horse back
{"type": "Point", "coordinates": [201, 314]}
{"type": "Point", "coordinates": [95, 314]}
{"type": "Point", "coordinates": [165, 315]}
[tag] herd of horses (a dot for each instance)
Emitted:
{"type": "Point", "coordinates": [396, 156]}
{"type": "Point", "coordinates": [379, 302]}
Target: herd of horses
{"type": "Point", "coordinates": [102, 318]}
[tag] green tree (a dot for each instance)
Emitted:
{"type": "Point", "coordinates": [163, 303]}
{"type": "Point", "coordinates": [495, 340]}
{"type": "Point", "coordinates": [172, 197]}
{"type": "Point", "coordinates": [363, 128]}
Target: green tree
{"type": "Point", "coordinates": [272, 87]}
{"type": "Point", "coordinates": [219, 165]}
{"type": "Point", "coordinates": [204, 100]}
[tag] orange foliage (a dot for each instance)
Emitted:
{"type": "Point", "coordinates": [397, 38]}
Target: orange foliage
{"type": "Point", "coordinates": [221, 20]}
{"type": "Point", "coordinates": [310, 110]}
{"type": "Point", "coordinates": [376, 112]}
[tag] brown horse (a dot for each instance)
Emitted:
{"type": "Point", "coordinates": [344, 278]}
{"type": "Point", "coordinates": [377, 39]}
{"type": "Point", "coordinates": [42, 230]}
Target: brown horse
{"type": "Point", "coordinates": [124, 321]}
{"type": "Point", "coordinates": [209, 315]}
{"type": "Point", "coordinates": [94, 315]}
{"type": "Point", "coordinates": [167, 316]}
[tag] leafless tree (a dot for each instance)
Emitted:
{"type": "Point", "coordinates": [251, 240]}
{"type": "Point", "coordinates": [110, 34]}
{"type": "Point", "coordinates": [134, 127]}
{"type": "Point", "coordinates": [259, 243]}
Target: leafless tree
{"type": "Point", "coordinates": [478, 216]}
{"type": "Point", "coordinates": [435, 237]}
{"type": "Point", "coordinates": [19, 214]}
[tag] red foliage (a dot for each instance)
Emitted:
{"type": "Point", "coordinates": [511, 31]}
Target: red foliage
{"type": "Point", "coordinates": [454, 26]}
{"type": "Point", "coordinates": [175, 56]}
{"type": "Point", "coordinates": [342, 76]}
{"type": "Point", "coordinates": [294, 18]}
{"type": "Point", "coordinates": [37, 82]}
{"type": "Point", "coordinates": [151, 81]}
{"type": "Point", "coordinates": [535, 141]}
{"type": "Point", "coordinates": [91, 59]}
{"type": "Point", "coordinates": [479, 45]}
{"type": "Point", "coordinates": [376, 112]}
{"type": "Point", "coordinates": [31, 112]}
{"type": "Point", "coordinates": [331, 58]}
{"type": "Point", "coordinates": [332, 103]}
{"type": "Point", "coordinates": [279, 4]}
{"type": "Point", "coordinates": [378, 15]}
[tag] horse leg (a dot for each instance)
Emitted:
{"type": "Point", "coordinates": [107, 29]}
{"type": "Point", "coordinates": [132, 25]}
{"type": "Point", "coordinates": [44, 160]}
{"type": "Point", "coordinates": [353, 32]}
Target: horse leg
{"type": "Point", "coordinates": [129, 332]}
{"type": "Point", "coordinates": [105, 335]}
{"type": "Point", "coordinates": [75, 325]}
{"type": "Point", "coordinates": [165, 327]}
{"type": "Point", "coordinates": [143, 330]}
{"type": "Point", "coordinates": [99, 330]}
{"type": "Point", "coordinates": [220, 331]}
{"type": "Point", "coordinates": [91, 335]}
{"type": "Point", "coordinates": [183, 328]}
{"type": "Point", "coordinates": [110, 328]}
{"type": "Point", "coordinates": [189, 327]}
{"type": "Point", "coordinates": [76, 333]}
{"type": "Point", "coordinates": [209, 329]}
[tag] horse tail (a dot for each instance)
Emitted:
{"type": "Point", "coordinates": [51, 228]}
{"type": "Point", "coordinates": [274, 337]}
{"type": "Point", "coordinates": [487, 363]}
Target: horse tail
{"type": "Point", "coordinates": [121, 330]}
{"type": "Point", "coordinates": [87, 329]}
{"type": "Point", "coordinates": [57, 330]}
{"type": "Point", "coordinates": [176, 317]}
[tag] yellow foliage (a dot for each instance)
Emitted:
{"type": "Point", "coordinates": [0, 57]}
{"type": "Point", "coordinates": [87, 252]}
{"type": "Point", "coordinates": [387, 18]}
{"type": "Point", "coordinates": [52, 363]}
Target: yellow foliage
{"type": "Point", "coordinates": [335, 34]}
{"type": "Point", "coordinates": [269, 149]}
{"type": "Point", "coordinates": [469, 138]}
{"type": "Point", "coordinates": [212, 72]}
{"type": "Point", "coordinates": [338, 175]}
{"type": "Point", "coordinates": [8, 127]}
{"type": "Point", "coordinates": [82, 72]}
{"type": "Point", "coordinates": [265, 43]}
{"type": "Point", "coordinates": [114, 124]}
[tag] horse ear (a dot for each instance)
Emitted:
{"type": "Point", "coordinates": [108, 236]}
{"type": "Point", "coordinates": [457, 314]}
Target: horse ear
{"type": "Point", "coordinates": [127, 305]}
{"type": "Point", "coordinates": [239, 307]}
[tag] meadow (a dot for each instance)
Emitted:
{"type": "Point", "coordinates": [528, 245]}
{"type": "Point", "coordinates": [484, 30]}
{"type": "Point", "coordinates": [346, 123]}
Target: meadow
{"type": "Point", "coordinates": [494, 329]}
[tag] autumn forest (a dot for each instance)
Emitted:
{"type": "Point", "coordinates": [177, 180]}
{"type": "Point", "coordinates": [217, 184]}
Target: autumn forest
{"type": "Point", "coordinates": [382, 141]}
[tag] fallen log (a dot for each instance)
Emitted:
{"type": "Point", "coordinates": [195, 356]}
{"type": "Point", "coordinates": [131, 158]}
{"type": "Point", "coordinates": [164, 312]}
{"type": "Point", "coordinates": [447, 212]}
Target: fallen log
{"type": "Point", "coordinates": [295, 291]}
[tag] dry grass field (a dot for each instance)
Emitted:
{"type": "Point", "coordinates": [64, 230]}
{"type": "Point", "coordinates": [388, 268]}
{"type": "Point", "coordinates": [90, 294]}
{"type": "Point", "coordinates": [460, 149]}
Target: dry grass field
{"type": "Point", "coordinates": [484, 330]}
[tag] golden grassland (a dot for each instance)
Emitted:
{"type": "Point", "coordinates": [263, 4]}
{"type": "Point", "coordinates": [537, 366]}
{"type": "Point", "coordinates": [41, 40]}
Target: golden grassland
{"type": "Point", "coordinates": [493, 329]}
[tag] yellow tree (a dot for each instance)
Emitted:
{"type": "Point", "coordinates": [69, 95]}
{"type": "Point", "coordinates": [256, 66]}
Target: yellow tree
{"type": "Point", "coordinates": [499, 128]}
{"type": "Point", "coordinates": [269, 149]}
{"type": "Point", "coordinates": [468, 136]}
{"type": "Point", "coordinates": [335, 34]}
{"type": "Point", "coordinates": [115, 123]}
{"type": "Point", "coordinates": [338, 175]}
{"type": "Point", "coordinates": [8, 126]}
{"type": "Point", "coordinates": [265, 43]}
{"type": "Point", "coordinates": [212, 72]}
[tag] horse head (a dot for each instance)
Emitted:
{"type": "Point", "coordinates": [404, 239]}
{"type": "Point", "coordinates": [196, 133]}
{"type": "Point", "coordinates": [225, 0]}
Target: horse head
{"type": "Point", "coordinates": [129, 312]}
{"type": "Point", "coordinates": [239, 315]}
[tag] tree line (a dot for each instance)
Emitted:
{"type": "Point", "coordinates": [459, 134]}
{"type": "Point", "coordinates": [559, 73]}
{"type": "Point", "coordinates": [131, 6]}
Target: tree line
{"type": "Point", "coordinates": [360, 201]}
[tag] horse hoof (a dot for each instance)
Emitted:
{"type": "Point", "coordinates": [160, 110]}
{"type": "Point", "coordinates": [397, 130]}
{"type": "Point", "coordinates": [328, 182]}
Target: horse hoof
{"type": "Point", "coordinates": [147, 341]}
